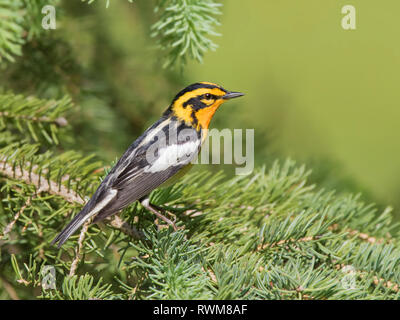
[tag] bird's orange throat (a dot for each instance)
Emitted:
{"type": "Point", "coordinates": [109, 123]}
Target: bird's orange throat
{"type": "Point", "coordinates": [205, 115]}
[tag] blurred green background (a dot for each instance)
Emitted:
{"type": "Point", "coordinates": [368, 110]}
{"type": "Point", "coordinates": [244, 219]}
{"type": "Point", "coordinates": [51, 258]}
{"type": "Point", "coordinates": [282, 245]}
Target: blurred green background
{"type": "Point", "coordinates": [322, 91]}
{"type": "Point", "coordinates": [320, 94]}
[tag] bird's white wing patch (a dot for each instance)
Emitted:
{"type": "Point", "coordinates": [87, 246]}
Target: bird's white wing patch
{"type": "Point", "coordinates": [110, 195]}
{"type": "Point", "coordinates": [173, 155]}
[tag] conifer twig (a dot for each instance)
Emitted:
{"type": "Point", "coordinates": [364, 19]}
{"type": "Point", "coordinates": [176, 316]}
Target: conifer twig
{"type": "Point", "coordinates": [361, 235]}
{"type": "Point", "coordinates": [78, 250]}
{"type": "Point", "coordinates": [60, 121]}
{"type": "Point", "coordinates": [125, 227]}
{"type": "Point", "coordinates": [278, 243]}
{"type": "Point", "coordinates": [9, 227]}
{"type": "Point", "coordinates": [40, 183]}
{"type": "Point", "coordinates": [44, 185]}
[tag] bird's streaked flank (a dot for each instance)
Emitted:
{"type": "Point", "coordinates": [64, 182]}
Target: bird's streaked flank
{"type": "Point", "coordinates": [160, 155]}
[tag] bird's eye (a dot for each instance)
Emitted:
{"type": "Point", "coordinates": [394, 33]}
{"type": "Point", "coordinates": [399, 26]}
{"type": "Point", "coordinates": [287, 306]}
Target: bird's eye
{"type": "Point", "coordinates": [208, 96]}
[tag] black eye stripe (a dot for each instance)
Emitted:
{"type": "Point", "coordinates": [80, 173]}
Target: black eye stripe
{"type": "Point", "coordinates": [208, 96]}
{"type": "Point", "coordinates": [196, 102]}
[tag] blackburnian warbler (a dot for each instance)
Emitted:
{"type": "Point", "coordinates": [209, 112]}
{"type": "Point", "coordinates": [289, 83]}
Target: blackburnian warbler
{"type": "Point", "coordinates": [160, 155]}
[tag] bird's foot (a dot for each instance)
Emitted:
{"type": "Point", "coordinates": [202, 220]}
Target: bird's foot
{"type": "Point", "coordinates": [156, 210]}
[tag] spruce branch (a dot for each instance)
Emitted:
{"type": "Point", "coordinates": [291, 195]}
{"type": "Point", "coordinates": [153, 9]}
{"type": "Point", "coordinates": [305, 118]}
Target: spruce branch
{"type": "Point", "coordinates": [11, 30]}
{"type": "Point", "coordinates": [300, 237]}
{"type": "Point", "coordinates": [41, 184]}
{"type": "Point", "coordinates": [9, 227]}
{"type": "Point", "coordinates": [60, 121]}
{"type": "Point", "coordinates": [40, 119]}
{"type": "Point", "coordinates": [83, 287]}
{"type": "Point", "coordinates": [173, 265]}
{"type": "Point", "coordinates": [29, 176]}
{"type": "Point", "coordinates": [184, 28]}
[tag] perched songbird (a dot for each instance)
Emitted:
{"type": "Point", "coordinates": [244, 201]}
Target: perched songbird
{"type": "Point", "coordinates": [160, 155]}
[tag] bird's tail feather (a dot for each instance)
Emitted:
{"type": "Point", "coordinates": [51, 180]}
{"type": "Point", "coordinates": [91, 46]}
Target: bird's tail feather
{"type": "Point", "coordinates": [92, 208]}
{"type": "Point", "coordinates": [76, 222]}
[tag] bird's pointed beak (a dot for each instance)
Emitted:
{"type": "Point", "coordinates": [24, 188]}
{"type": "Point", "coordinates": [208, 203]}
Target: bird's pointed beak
{"type": "Point", "coordinates": [231, 95]}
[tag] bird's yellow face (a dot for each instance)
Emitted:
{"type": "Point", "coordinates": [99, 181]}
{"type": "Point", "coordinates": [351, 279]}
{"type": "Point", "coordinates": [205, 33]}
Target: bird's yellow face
{"type": "Point", "coordinates": [197, 103]}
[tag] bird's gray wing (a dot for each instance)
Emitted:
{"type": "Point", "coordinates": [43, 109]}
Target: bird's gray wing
{"type": "Point", "coordinates": [134, 185]}
{"type": "Point", "coordinates": [146, 170]}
